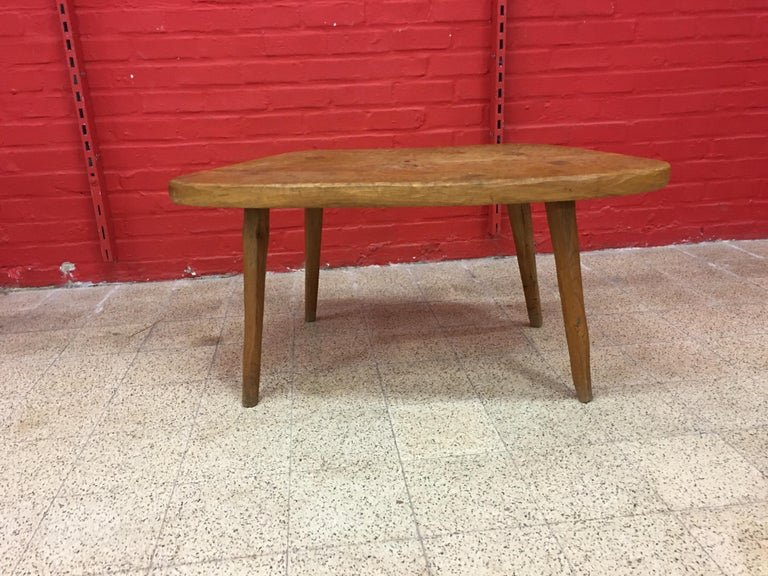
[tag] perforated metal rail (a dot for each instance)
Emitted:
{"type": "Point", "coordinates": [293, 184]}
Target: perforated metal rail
{"type": "Point", "coordinates": [496, 106]}
{"type": "Point", "coordinates": [83, 117]}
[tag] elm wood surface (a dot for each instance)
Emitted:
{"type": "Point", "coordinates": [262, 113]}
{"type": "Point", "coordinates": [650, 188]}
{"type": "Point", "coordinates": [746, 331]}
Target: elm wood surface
{"type": "Point", "coordinates": [522, 232]}
{"type": "Point", "coordinates": [453, 176]}
{"type": "Point", "coordinates": [561, 217]}
{"type": "Point", "coordinates": [512, 174]}
{"type": "Point", "coordinates": [313, 230]}
{"type": "Point", "coordinates": [255, 242]}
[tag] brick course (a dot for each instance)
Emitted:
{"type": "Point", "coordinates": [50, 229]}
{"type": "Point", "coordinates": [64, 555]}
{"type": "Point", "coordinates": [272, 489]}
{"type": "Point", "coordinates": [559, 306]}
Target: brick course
{"type": "Point", "coordinates": [179, 86]}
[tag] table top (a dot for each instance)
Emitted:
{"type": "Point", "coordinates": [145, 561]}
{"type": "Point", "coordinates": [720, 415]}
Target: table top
{"type": "Point", "coordinates": [449, 176]}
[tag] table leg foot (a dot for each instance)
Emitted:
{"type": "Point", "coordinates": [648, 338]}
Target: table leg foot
{"type": "Point", "coordinates": [522, 231]}
{"type": "Point", "coordinates": [255, 242]}
{"type": "Point", "coordinates": [313, 228]}
{"type": "Point", "coordinates": [561, 217]}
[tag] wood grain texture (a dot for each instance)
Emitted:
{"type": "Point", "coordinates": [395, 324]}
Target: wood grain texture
{"type": "Point", "coordinates": [313, 231]}
{"type": "Point", "coordinates": [255, 242]}
{"type": "Point", "coordinates": [450, 176]}
{"type": "Point", "coordinates": [522, 232]}
{"type": "Point", "coordinates": [561, 217]}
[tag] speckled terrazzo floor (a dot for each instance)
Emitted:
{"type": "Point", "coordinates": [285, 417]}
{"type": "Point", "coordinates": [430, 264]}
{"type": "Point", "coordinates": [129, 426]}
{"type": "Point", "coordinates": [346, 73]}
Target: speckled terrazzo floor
{"type": "Point", "coordinates": [419, 427]}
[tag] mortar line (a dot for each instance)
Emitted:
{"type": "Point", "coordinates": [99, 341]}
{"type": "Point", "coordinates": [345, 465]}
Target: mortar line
{"type": "Point", "coordinates": [387, 403]}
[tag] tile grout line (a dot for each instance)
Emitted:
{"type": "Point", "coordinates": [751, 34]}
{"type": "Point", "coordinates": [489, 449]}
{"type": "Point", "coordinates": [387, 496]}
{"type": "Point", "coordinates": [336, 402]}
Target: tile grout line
{"type": "Point", "coordinates": [530, 493]}
{"type": "Point", "coordinates": [442, 328]}
{"type": "Point", "coordinates": [703, 548]}
{"type": "Point", "coordinates": [403, 475]}
{"type": "Point", "coordinates": [291, 431]}
{"type": "Point", "coordinates": [150, 564]}
{"type": "Point", "coordinates": [81, 449]}
{"type": "Point", "coordinates": [670, 511]}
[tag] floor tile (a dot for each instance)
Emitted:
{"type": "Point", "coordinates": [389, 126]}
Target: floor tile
{"type": "Point", "coordinates": [731, 259]}
{"type": "Point", "coordinates": [665, 292]}
{"type": "Point", "coordinates": [732, 290]}
{"type": "Point", "coordinates": [34, 470]}
{"type": "Point", "coordinates": [253, 446]}
{"type": "Point", "coordinates": [524, 376]}
{"type": "Point", "coordinates": [440, 429]}
{"type": "Point", "coordinates": [403, 558]}
{"type": "Point", "coordinates": [403, 317]}
{"type": "Point", "coordinates": [551, 334]}
{"type": "Point", "coordinates": [482, 312]}
{"type": "Point", "coordinates": [615, 299]}
{"type": "Point", "coordinates": [642, 412]}
{"type": "Point", "coordinates": [184, 334]}
{"type": "Point", "coordinates": [428, 370]}
{"type": "Point", "coordinates": [410, 347]}
{"type": "Point", "coordinates": [654, 544]}
{"type": "Point", "coordinates": [631, 328]}
{"type": "Point", "coordinates": [134, 303]}
{"type": "Point", "coordinates": [476, 343]}
{"type": "Point", "coordinates": [469, 493]}
{"type": "Point", "coordinates": [83, 375]}
{"type": "Point", "coordinates": [756, 247]}
{"type": "Point", "coordinates": [135, 407]}
{"type": "Point", "coordinates": [269, 565]}
{"type": "Point", "coordinates": [697, 471]}
{"type": "Point", "coordinates": [535, 424]}
{"type": "Point", "coordinates": [18, 520]}
{"type": "Point", "coordinates": [721, 322]}
{"type": "Point", "coordinates": [586, 482]}
{"type": "Point", "coordinates": [752, 444]}
{"type": "Point", "coordinates": [120, 339]}
{"type": "Point", "coordinates": [529, 551]}
{"type": "Point", "coordinates": [170, 366]}
{"type": "Point", "coordinates": [42, 415]}
{"type": "Point", "coordinates": [349, 506]}
{"type": "Point", "coordinates": [123, 461]}
{"type": "Point", "coordinates": [65, 308]}
{"type": "Point", "coordinates": [746, 354]}
{"type": "Point", "coordinates": [19, 373]}
{"type": "Point", "coordinates": [13, 301]}
{"type": "Point", "coordinates": [387, 282]}
{"type": "Point", "coordinates": [679, 360]}
{"type": "Point", "coordinates": [47, 342]}
{"type": "Point", "coordinates": [446, 281]}
{"type": "Point", "coordinates": [344, 350]}
{"type": "Point", "coordinates": [229, 519]}
{"type": "Point", "coordinates": [345, 387]}
{"type": "Point", "coordinates": [724, 405]}
{"type": "Point", "coordinates": [199, 298]}
{"type": "Point", "coordinates": [331, 439]}
{"type": "Point", "coordinates": [734, 537]}
{"type": "Point", "coordinates": [425, 382]}
{"type": "Point", "coordinates": [96, 533]}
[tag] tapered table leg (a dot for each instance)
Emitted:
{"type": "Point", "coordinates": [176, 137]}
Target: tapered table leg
{"type": "Point", "coordinates": [561, 217]}
{"type": "Point", "coordinates": [522, 232]}
{"type": "Point", "coordinates": [255, 241]}
{"type": "Point", "coordinates": [313, 229]}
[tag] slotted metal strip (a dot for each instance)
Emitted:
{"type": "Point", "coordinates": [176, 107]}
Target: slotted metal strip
{"type": "Point", "coordinates": [83, 117]}
{"type": "Point", "coordinates": [498, 40]}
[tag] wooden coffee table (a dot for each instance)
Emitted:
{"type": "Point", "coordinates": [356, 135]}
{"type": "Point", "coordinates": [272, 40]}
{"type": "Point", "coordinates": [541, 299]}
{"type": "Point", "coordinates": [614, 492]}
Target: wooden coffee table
{"type": "Point", "coordinates": [511, 174]}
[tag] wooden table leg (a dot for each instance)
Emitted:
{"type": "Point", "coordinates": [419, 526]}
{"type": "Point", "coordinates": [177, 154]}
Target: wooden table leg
{"type": "Point", "coordinates": [313, 229]}
{"type": "Point", "coordinates": [561, 217]}
{"type": "Point", "coordinates": [255, 241]}
{"type": "Point", "coordinates": [522, 231]}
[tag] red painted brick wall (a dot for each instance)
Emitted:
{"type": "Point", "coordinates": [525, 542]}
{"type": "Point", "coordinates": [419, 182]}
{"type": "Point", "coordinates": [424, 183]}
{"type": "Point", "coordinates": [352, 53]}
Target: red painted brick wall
{"type": "Point", "coordinates": [180, 86]}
